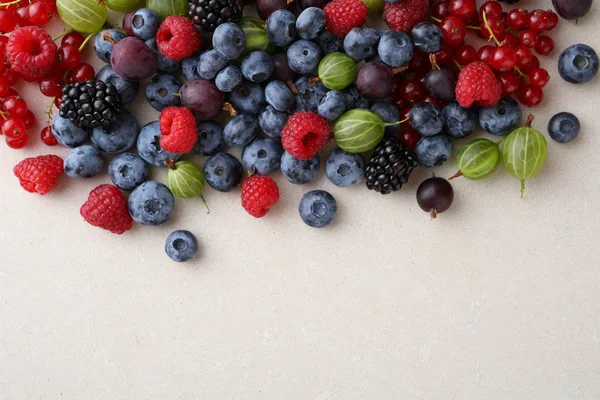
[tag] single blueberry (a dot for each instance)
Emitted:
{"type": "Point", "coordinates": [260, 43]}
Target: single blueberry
{"type": "Point", "coordinates": [281, 28]}
{"type": "Point", "coordinates": [502, 118]}
{"type": "Point", "coordinates": [427, 37]}
{"type": "Point", "coordinates": [459, 121]}
{"type": "Point", "coordinates": [126, 88]}
{"type": "Point", "coordinates": [262, 156]}
{"type": "Point", "coordinates": [189, 67]}
{"type": "Point", "coordinates": [210, 138]}
{"type": "Point", "coordinates": [361, 43]}
{"type": "Point", "coordinates": [223, 172]}
{"type": "Point", "coordinates": [395, 48]}
{"type": "Point", "coordinates": [299, 171]}
{"type": "Point", "coordinates": [151, 203]}
{"type": "Point", "coordinates": [228, 79]}
{"type": "Point", "coordinates": [145, 23]}
{"type": "Point", "coordinates": [163, 63]}
{"type": "Point", "coordinates": [345, 169]}
{"type": "Point", "coordinates": [279, 95]}
{"type": "Point", "coordinates": [304, 56]}
{"type": "Point", "coordinates": [163, 91]}
{"type": "Point", "coordinates": [105, 41]}
{"type": "Point", "coordinates": [390, 114]}
{"type": "Point", "coordinates": [210, 64]}
{"type": "Point", "coordinates": [308, 96]}
{"type": "Point", "coordinates": [578, 64]}
{"type": "Point", "coordinates": [148, 146]}
{"type": "Point", "coordinates": [85, 161]}
{"type": "Point", "coordinates": [426, 119]}
{"type": "Point", "coordinates": [257, 66]}
{"type": "Point", "coordinates": [563, 127]}
{"type": "Point", "coordinates": [272, 122]}
{"type": "Point", "coordinates": [330, 43]}
{"type": "Point", "coordinates": [310, 23]}
{"type": "Point", "coordinates": [248, 97]}
{"type": "Point", "coordinates": [353, 99]}
{"type": "Point", "coordinates": [181, 246]}
{"type": "Point", "coordinates": [317, 208]}
{"type": "Point", "coordinates": [127, 171]}
{"type": "Point", "coordinates": [332, 105]}
{"type": "Point", "coordinates": [433, 151]}
{"type": "Point", "coordinates": [118, 137]}
{"type": "Point", "coordinates": [67, 134]}
{"type": "Point", "coordinates": [241, 130]}
{"type": "Point", "coordinates": [229, 40]}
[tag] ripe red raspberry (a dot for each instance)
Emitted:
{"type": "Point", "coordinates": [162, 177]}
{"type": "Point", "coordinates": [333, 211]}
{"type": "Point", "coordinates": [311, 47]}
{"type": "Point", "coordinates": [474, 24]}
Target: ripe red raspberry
{"type": "Point", "coordinates": [178, 38]}
{"type": "Point", "coordinates": [343, 15]}
{"type": "Point", "coordinates": [106, 208]}
{"type": "Point", "coordinates": [39, 174]}
{"type": "Point", "coordinates": [304, 134]}
{"type": "Point", "coordinates": [178, 130]}
{"type": "Point", "coordinates": [477, 83]}
{"type": "Point", "coordinates": [259, 194]}
{"type": "Point", "coordinates": [31, 51]}
{"type": "Point", "coordinates": [404, 15]}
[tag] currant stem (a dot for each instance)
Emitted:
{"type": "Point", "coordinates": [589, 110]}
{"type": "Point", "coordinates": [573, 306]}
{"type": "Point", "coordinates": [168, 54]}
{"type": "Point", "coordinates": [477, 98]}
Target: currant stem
{"type": "Point", "coordinates": [457, 64]}
{"type": "Point", "coordinates": [521, 74]}
{"type": "Point", "coordinates": [10, 4]}
{"type": "Point", "coordinates": [436, 19]}
{"type": "Point", "coordinates": [473, 27]}
{"type": "Point", "coordinates": [522, 188]}
{"type": "Point", "coordinates": [65, 33]}
{"type": "Point", "coordinates": [489, 28]}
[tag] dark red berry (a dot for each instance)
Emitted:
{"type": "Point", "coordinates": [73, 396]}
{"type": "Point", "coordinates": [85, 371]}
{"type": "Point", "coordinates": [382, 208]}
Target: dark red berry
{"type": "Point", "coordinates": [495, 24]}
{"type": "Point", "coordinates": [551, 20]}
{"type": "Point", "coordinates": [445, 55]}
{"type": "Point", "coordinates": [538, 77]}
{"type": "Point", "coordinates": [509, 40]}
{"type": "Point", "coordinates": [484, 54]}
{"type": "Point", "coordinates": [14, 106]}
{"type": "Point", "coordinates": [537, 20]}
{"type": "Point", "coordinates": [528, 38]}
{"type": "Point", "coordinates": [40, 13]}
{"type": "Point", "coordinates": [412, 91]}
{"type": "Point", "coordinates": [516, 19]}
{"type": "Point", "coordinates": [82, 73]}
{"type": "Point", "coordinates": [69, 56]}
{"type": "Point", "coordinates": [454, 30]}
{"type": "Point", "coordinates": [440, 9]}
{"type": "Point", "coordinates": [50, 88]}
{"type": "Point", "coordinates": [530, 96]}
{"type": "Point", "coordinates": [47, 137]}
{"type": "Point", "coordinates": [463, 9]}
{"type": "Point", "coordinates": [524, 57]}
{"type": "Point", "coordinates": [544, 45]}
{"type": "Point", "coordinates": [503, 59]}
{"type": "Point", "coordinates": [465, 55]}
{"type": "Point", "coordinates": [409, 137]}
{"type": "Point", "coordinates": [74, 39]}
{"type": "Point", "coordinates": [492, 9]}
{"type": "Point", "coordinates": [509, 81]}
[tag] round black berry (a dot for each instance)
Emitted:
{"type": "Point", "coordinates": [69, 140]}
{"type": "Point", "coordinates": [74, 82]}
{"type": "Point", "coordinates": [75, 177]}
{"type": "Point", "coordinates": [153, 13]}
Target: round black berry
{"type": "Point", "coordinates": [390, 166]}
{"type": "Point", "coordinates": [91, 104]}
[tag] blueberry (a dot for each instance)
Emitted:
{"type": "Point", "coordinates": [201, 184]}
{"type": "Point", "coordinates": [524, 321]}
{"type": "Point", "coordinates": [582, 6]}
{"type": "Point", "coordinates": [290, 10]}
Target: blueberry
{"type": "Point", "coordinates": [127, 171]}
{"type": "Point", "coordinates": [390, 114]}
{"type": "Point", "coordinates": [299, 171]}
{"type": "Point", "coordinates": [332, 105]}
{"type": "Point", "coordinates": [223, 172]}
{"type": "Point", "coordinates": [248, 97]}
{"type": "Point", "coordinates": [67, 134]}
{"type": "Point", "coordinates": [304, 56]}
{"type": "Point", "coordinates": [345, 169]}
{"type": "Point", "coordinates": [433, 151]}
{"type": "Point", "coordinates": [330, 43]}
{"type": "Point", "coordinates": [145, 23]}
{"type": "Point", "coordinates": [317, 208]}
{"type": "Point", "coordinates": [181, 246]}
{"type": "Point", "coordinates": [228, 79]}
{"type": "Point", "coordinates": [151, 203]}
{"type": "Point", "coordinates": [578, 64]}
{"type": "Point", "coordinates": [395, 48]}
{"type": "Point", "coordinates": [426, 119]}
{"type": "Point", "coordinates": [257, 66]}
{"type": "Point", "coordinates": [119, 137]}
{"type": "Point", "coordinates": [241, 130]}
{"type": "Point", "coordinates": [210, 64]}
{"type": "Point", "coordinates": [353, 99]}
{"type": "Point", "coordinates": [308, 96]}
{"type": "Point", "coordinates": [189, 67]}
{"type": "Point", "coordinates": [84, 162]}
{"type": "Point", "coordinates": [427, 37]}
{"type": "Point", "coordinates": [272, 122]}
{"type": "Point", "coordinates": [564, 127]}
{"type": "Point", "coordinates": [458, 120]}
{"type": "Point", "coordinates": [163, 63]}
{"type": "Point", "coordinates": [126, 88]}
{"type": "Point", "coordinates": [502, 118]}
{"type": "Point", "coordinates": [229, 40]}
{"type": "Point", "coordinates": [279, 95]}
{"type": "Point", "coordinates": [262, 156]}
{"type": "Point", "coordinates": [281, 28]}
{"type": "Point", "coordinates": [163, 91]}
{"type": "Point", "coordinates": [210, 138]}
{"type": "Point", "coordinates": [148, 146]}
{"type": "Point", "coordinates": [104, 42]}
{"type": "Point", "coordinates": [361, 43]}
{"type": "Point", "coordinates": [310, 23]}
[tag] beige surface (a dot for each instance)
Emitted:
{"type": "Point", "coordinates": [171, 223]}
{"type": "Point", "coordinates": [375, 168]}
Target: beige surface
{"type": "Point", "coordinates": [497, 299]}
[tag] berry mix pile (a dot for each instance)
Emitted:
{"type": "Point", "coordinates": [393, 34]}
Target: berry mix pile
{"type": "Point", "coordinates": [304, 74]}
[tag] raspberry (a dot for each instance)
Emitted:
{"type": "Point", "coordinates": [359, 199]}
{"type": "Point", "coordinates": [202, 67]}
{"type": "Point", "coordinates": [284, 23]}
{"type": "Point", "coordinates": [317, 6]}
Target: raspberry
{"type": "Point", "coordinates": [39, 174]}
{"type": "Point", "coordinates": [404, 15]}
{"type": "Point", "coordinates": [343, 15]}
{"type": "Point", "coordinates": [304, 134]}
{"type": "Point", "coordinates": [178, 130]}
{"type": "Point", "coordinates": [31, 51]}
{"type": "Point", "coordinates": [259, 194]}
{"type": "Point", "coordinates": [178, 38]}
{"type": "Point", "coordinates": [106, 208]}
{"type": "Point", "coordinates": [477, 83]}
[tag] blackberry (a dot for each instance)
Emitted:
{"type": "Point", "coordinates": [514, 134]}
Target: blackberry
{"type": "Point", "coordinates": [208, 14]}
{"type": "Point", "coordinates": [390, 166]}
{"type": "Point", "coordinates": [91, 104]}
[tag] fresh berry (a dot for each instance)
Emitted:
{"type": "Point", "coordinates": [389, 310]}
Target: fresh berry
{"type": "Point", "coordinates": [40, 13]}
{"type": "Point", "coordinates": [403, 16]}
{"type": "Point", "coordinates": [229, 40]}
{"type": "Point", "coordinates": [395, 48]}
{"type": "Point", "coordinates": [262, 156]}
{"type": "Point", "coordinates": [332, 105]}
{"type": "Point", "coordinates": [69, 57]}
{"type": "Point", "coordinates": [127, 171]}
{"type": "Point", "coordinates": [39, 174]}
{"type": "Point", "coordinates": [257, 66]}
{"type": "Point", "coordinates": [178, 38]}
{"type": "Point", "coordinates": [361, 43]}
{"type": "Point", "coordinates": [47, 137]}
{"type": "Point", "coordinates": [389, 114]}
{"type": "Point", "coordinates": [145, 23]}
{"type": "Point", "coordinates": [151, 203]}
{"type": "Point", "coordinates": [298, 171]}
{"type": "Point", "coordinates": [502, 118]}
{"type": "Point", "coordinates": [229, 78]}
{"type": "Point", "coordinates": [281, 28]}
{"type": "Point", "coordinates": [240, 130]}
{"type": "Point", "coordinates": [310, 23]}
{"type": "Point", "coordinates": [435, 195]}
{"type": "Point", "coordinates": [50, 88]}
{"type": "Point", "coordinates": [259, 194]}
{"type": "Point", "coordinates": [494, 24]}
{"type": "Point", "coordinates": [91, 104]}
{"type": "Point", "coordinates": [209, 14]}
{"type": "Point", "coordinates": [578, 64]}
{"type": "Point", "coordinates": [317, 208]}
{"type": "Point", "coordinates": [249, 97]}
{"type": "Point", "coordinates": [223, 172]}
{"type": "Point", "coordinates": [544, 45]}
{"type": "Point", "coordinates": [427, 37]}
{"type": "Point", "coordinates": [126, 88]}
{"type": "Point", "coordinates": [118, 137]}
{"type": "Point", "coordinates": [409, 137]}
{"type": "Point", "coordinates": [84, 162]}
{"type": "Point", "coordinates": [13, 128]}
{"type": "Point", "coordinates": [203, 99]}
{"type": "Point", "coordinates": [491, 9]}
{"type": "Point", "coordinates": [73, 39]}
{"type": "Point", "coordinates": [105, 42]}
{"type": "Point", "coordinates": [132, 59]}
{"type": "Point", "coordinates": [503, 58]}
{"type": "Point", "coordinates": [412, 91]}
{"type": "Point", "coordinates": [106, 208]}
{"type": "Point", "coordinates": [507, 39]}
{"type": "Point", "coordinates": [304, 134]}
{"type": "Point", "coordinates": [440, 9]}
{"type": "Point", "coordinates": [162, 91]}
{"type": "Point", "coordinates": [426, 119]}
{"type": "Point", "coordinates": [477, 83]}
{"type": "Point", "coordinates": [539, 77]}
{"type": "Point", "coordinates": [390, 166]}
{"type": "Point", "coordinates": [516, 19]}
{"type": "Point", "coordinates": [163, 63]}
{"type": "Point", "coordinates": [463, 9]}
{"type": "Point", "coordinates": [536, 21]}
{"type": "Point", "coordinates": [465, 55]}
{"type": "Point", "coordinates": [67, 134]}
{"type": "Point", "coordinates": [551, 20]}
{"type": "Point", "coordinates": [279, 95]}
{"type": "Point", "coordinates": [272, 121]}
{"type": "Point", "coordinates": [459, 121]}
{"type": "Point", "coordinates": [563, 127]}
{"type": "Point", "coordinates": [509, 81]}
{"type": "Point", "coordinates": [433, 151]}
{"type": "Point", "coordinates": [178, 130]}
{"type": "Point", "coordinates": [266, 8]}
{"type": "Point", "coordinates": [484, 54]}
{"type": "Point", "coordinates": [530, 95]}
{"type": "Point", "coordinates": [181, 246]}
{"type": "Point", "coordinates": [31, 51]}
{"type": "Point", "coordinates": [29, 119]}
{"type": "Point", "coordinates": [524, 56]}
{"type": "Point", "coordinates": [345, 169]}
{"type": "Point", "coordinates": [148, 146]}
{"type": "Point", "coordinates": [82, 73]}
{"type": "Point", "coordinates": [304, 56]}
{"type": "Point", "coordinates": [528, 38]}
{"type": "Point", "coordinates": [440, 83]}
{"type": "Point", "coordinates": [343, 15]}
{"type": "Point", "coordinates": [210, 138]}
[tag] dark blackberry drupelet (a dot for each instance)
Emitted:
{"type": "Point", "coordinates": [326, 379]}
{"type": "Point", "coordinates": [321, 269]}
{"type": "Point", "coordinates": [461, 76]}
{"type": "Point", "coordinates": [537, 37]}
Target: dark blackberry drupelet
{"type": "Point", "coordinates": [390, 166]}
{"type": "Point", "coordinates": [208, 14]}
{"type": "Point", "coordinates": [510, 1]}
{"type": "Point", "coordinates": [91, 104]}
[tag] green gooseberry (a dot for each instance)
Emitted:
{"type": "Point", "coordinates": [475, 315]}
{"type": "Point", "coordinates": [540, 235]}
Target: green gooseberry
{"type": "Point", "coordinates": [359, 130]}
{"type": "Point", "coordinates": [477, 159]}
{"type": "Point", "coordinates": [185, 180]}
{"type": "Point", "coordinates": [167, 8]}
{"type": "Point", "coordinates": [84, 16]}
{"type": "Point", "coordinates": [256, 36]}
{"type": "Point", "coordinates": [337, 71]}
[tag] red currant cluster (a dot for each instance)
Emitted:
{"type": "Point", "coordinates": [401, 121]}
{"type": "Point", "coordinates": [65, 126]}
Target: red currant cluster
{"type": "Point", "coordinates": [25, 13]}
{"type": "Point", "coordinates": [516, 33]}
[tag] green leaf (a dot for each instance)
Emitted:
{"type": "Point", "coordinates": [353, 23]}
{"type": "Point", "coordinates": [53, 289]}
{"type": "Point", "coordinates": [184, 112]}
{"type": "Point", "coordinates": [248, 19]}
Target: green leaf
{"type": "Point", "coordinates": [358, 130]}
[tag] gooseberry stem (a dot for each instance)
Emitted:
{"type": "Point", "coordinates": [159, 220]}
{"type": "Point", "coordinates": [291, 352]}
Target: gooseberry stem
{"type": "Point", "coordinates": [170, 164]}
{"type": "Point", "coordinates": [314, 81]}
{"type": "Point", "coordinates": [65, 33]}
{"type": "Point", "coordinates": [205, 204]}
{"type": "Point", "coordinates": [456, 175]}
{"type": "Point", "coordinates": [530, 118]}
{"type": "Point", "coordinates": [396, 123]}
{"type": "Point", "coordinates": [522, 188]}
{"type": "Point", "coordinates": [87, 39]}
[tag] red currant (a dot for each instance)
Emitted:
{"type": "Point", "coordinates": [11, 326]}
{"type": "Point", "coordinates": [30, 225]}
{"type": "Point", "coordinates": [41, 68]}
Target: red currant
{"type": "Point", "coordinates": [495, 24]}
{"type": "Point", "coordinates": [438, 103]}
{"type": "Point", "coordinates": [536, 21]}
{"type": "Point", "coordinates": [539, 77]}
{"type": "Point", "coordinates": [509, 81]}
{"type": "Point", "coordinates": [530, 96]}
{"type": "Point", "coordinates": [69, 56]}
{"type": "Point", "coordinates": [463, 9]}
{"type": "Point", "coordinates": [484, 54]}
{"type": "Point", "coordinates": [454, 30]}
{"type": "Point", "coordinates": [72, 39]}
{"type": "Point", "coordinates": [47, 137]}
{"type": "Point", "coordinates": [14, 106]}
{"type": "Point", "coordinates": [445, 55]}
{"type": "Point", "coordinates": [465, 55]}
{"type": "Point", "coordinates": [40, 13]}
{"type": "Point", "coordinates": [528, 38]}
{"type": "Point", "coordinates": [544, 45]}
{"type": "Point", "coordinates": [440, 9]}
{"type": "Point", "coordinates": [8, 19]}
{"type": "Point", "coordinates": [11, 92]}
{"type": "Point", "coordinates": [412, 91]}
{"type": "Point", "coordinates": [4, 86]}
{"type": "Point", "coordinates": [58, 101]}
{"type": "Point", "coordinates": [409, 137]}
{"type": "Point", "coordinates": [503, 58]}
{"type": "Point", "coordinates": [82, 73]}
{"type": "Point", "coordinates": [491, 9]}
{"type": "Point", "coordinates": [524, 57]}
{"type": "Point", "coordinates": [508, 39]}
{"type": "Point", "coordinates": [516, 19]}
{"type": "Point", "coordinates": [23, 16]}
{"type": "Point", "coordinates": [12, 76]}
{"type": "Point", "coordinates": [13, 128]}
{"type": "Point", "coordinates": [419, 65]}
{"type": "Point", "coordinates": [17, 143]}
{"type": "Point", "coordinates": [551, 20]}
{"type": "Point", "coordinates": [50, 88]}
